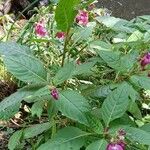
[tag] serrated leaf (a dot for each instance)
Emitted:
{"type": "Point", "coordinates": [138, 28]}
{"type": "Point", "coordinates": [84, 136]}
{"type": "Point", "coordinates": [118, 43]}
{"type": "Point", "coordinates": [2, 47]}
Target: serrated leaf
{"type": "Point", "coordinates": [138, 135]}
{"type": "Point", "coordinates": [41, 94]}
{"type": "Point", "coordinates": [21, 63]}
{"type": "Point", "coordinates": [146, 127]}
{"type": "Point", "coordinates": [100, 45]}
{"type": "Point", "coordinates": [134, 110]}
{"type": "Point", "coordinates": [116, 104]}
{"type": "Point", "coordinates": [37, 108]}
{"type": "Point", "coordinates": [141, 81]}
{"type": "Point", "coordinates": [94, 123]}
{"type": "Point", "coordinates": [133, 94]}
{"type": "Point", "coordinates": [83, 68]}
{"type": "Point", "coordinates": [64, 73]}
{"type": "Point", "coordinates": [103, 91]}
{"type": "Point", "coordinates": [125, 120]}
{"type": "Point", "coordinates": [116, 24]}
{"type": "Point", "coordinates": [135, 36]}
{"type": "Point", "coordinates": [98, 145]}
{"type": "Point", "coordinates": [35, 130]}
{"type": "Point", "coordinates": [73, 105]}
{"type": "Point", "coordinates": [65, 14]}
{"type": "Point", "coordinates": [83, 33]}
{"type": "Point", "coordinates": [14, 140]}
{"type": "Point", "coordinates": [122, 63]}
{"type": "Point", "coordinates": [10, 105]}
{"type": "Point", "coordinates": [69, 138]}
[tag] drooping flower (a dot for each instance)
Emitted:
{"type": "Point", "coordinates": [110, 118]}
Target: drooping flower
{"type": "Point", "coordinates": [82, 18]}
{"type": "Point", "coordinates": [60, 35]}
{"type": "Point", "coordinates": [55, 94]}
{"type": "Point", "coordinates": [115, 146]}
{"type": "Point", "coordinates": [40, 29]}
{"type": "Point", "coordinates": [145, 60]}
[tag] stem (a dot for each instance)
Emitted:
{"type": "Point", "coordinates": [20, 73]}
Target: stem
{"type": "Point", "coordinates": [65, 48]}
{"type": "Point", "coordinates": [54, 128]}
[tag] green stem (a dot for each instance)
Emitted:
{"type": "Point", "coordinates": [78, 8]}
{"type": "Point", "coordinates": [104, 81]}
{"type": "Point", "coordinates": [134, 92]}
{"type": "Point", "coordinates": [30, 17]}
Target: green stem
{"type": "Point", "coordinates": [65, 48]}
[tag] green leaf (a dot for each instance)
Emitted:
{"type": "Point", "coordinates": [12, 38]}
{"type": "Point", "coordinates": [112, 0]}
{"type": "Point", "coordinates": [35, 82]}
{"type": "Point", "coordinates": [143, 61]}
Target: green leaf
{"type": "Point", "coordinates": [69, 138]}
{"type": "Point", "coordinates": [64, 73]}
{"type": "Point", "coordinates": [95, 123]}
{"type": "Point", "coordinates": [116, 104]}
{"type": "Point", "coordinates": [83, 68]}
{"type": "Point", "coordinates": [35, 130]}
{"type": "Point", "coordinates": [71, 69]}
{"type": "Point", "coordinates": [116, 24]}
{"type": "Point", "coordinates": [133, 94]}
{"type": "Point", "coordinates": [65, 14]}
{"type": "Point", "coordinates": [103, 91]}
{"type": "Point", "coordinates": [114, 59]}
{"type": "Point", "coordinates": [100, 45]}
{"type": "Point", "coordinates": [98, 145]}
{"type": "Point", "coordinates": [134, 110]}
{"type": "Point", "coordinates": [37, 108]}
{"type": "Point", "coordinates": [124, 120]}
{"type": "Point", "coordinates": [21, 63]}
{"type": "Point", "coordinates": [41, 94]}
{"type": "Point", "coordinates": [141, 81]}
{"type": "Point", "coordinates": [138, 135]}
{"type": "Point", "coordinates": [73, 105]}
{"type": "Point", "coordinates": [117, 61]}
{"type": "Point", "coordinates": [14, 140]}
{"type": "Point", "coordinates": [10, 105]}
{"type": "Point", "coordinates": [146, 127]}
{"type": "Point", "coordinates": [83, 33]}
{"type": "Point", "coordinates": [135, 36]}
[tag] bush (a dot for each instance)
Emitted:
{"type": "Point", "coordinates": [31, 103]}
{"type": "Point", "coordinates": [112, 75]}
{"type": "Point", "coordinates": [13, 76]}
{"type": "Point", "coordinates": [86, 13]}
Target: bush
{"type": "Point", "coordinates": [88, 73]}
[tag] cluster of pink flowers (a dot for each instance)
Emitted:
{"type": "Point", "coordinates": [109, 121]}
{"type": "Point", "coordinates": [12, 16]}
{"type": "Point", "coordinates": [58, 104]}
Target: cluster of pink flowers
{"type": "Point", "coordinates": [40, 29]}
{"type": "Point", "coordinates": [119, 144]}
{"type": "Point", "coordinates": [82, 18]}
{"type": "Point", "coordinates": [55, 94]}
{"type": "Point", "coordinates": [145, 60]}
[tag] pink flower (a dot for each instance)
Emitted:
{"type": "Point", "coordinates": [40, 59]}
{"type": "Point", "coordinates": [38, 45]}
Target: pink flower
{"type": "Point", "coordinates": [112, 146]}
{"type": "Point", "coordinates": [82, 18]}
{"type": "Point", "coordinates": [40, 29]}
{"type": "Point", "coordinates": [60, 35]}
{"type": "Point", "coordinates": [145, 60]}
{"type": "Point", "coordinates": [54, 93]}
{"type": "Point", "coordinates": [122, 144]}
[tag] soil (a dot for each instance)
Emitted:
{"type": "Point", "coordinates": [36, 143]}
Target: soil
{"type": "Point", "coordinates": [6, 89]}
{"type": "Point", "coordinates": [127, 9]}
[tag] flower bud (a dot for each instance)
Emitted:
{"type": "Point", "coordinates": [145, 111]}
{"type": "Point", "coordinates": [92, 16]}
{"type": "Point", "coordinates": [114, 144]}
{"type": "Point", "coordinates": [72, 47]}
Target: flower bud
{"type": "Point", "coordinates": [60, 35]}
{"type": "Point", "coordinates": [55, 94]}
{"type": "Point", "coordinates": [113, 146]}
{"type": "Point", "coordinates": [145, 60]}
